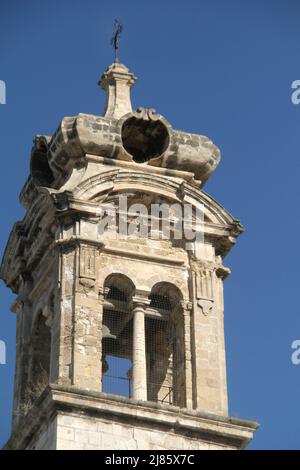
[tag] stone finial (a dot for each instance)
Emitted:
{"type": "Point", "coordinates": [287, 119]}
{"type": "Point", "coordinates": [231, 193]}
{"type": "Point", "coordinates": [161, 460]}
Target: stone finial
{"type": "Point", "coordinates": [117, 81]}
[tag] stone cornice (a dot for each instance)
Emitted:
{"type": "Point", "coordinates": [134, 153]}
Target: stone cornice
{"type": "Point", "coordinates": [59, 399]}
{"type": "Point", "coordinates": [66, 204]}
{"type": "Point", "coordinates": [85, 134]}
{"type": "Point", "coordinates": [50, 208]}
{"type": "Point", "coordinates": [186, 175]}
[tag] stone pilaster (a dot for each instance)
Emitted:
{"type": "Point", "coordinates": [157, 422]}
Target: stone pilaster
{"type": "Point", "coordinates": [187, 310]}
{"type": "Point", "coordinates": [221, 341]}
{"type": "Point", "coordinates": [62, 323]}
{"type": "Point", "coordinates": [87, 366]}
{"type": "Point", "coordinates": [209, 358]}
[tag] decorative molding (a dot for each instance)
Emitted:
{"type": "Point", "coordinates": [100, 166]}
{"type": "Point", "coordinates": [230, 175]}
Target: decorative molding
{"type": "Point", "coordinates": [147, 114]}
{"type": "Point", "coordinates": [204, 277]}
{"type": "Point", "coordinates": [206, 305]}
{"type": "Point", "coordinates": [221, 270]}
{"type": "Point", "coordinates": [87, 263]}
{"type": "Point", "coordinates": [186, 305]}
{"type": "Point", "coordinates": [167, 260]}
{"type": "Point", "coordinates": [86, 284]}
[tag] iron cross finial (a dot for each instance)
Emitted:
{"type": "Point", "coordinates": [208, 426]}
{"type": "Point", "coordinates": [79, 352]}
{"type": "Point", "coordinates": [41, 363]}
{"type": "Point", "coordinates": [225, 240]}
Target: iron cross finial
{"type": "Point", "coordinates": [116, 37]}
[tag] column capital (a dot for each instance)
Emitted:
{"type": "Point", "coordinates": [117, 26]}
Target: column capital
{"type": "Point", "coordinates": [103, 291]}
{"type": "Point", "coordinates": [141, 298]}
{"type": "Point", "coordinates": [140, 301]}
{"type": "Point", "coordinates": [186, 305]}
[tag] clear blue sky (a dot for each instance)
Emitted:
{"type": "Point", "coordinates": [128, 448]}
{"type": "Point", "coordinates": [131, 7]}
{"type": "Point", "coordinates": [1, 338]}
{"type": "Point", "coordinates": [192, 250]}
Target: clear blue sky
{"type": "Point", "coordinates": [219, 68]}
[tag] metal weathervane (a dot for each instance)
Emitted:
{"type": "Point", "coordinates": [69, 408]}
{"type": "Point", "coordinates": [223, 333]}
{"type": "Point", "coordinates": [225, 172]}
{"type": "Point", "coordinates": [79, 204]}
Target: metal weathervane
{"type": "Point", "coordinates": [116, 38]}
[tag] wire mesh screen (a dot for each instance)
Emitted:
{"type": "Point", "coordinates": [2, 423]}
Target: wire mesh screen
{"type": "Point", "coordinates": [164, 344]}
{"type": "Point", "coordinates": [160, 302]}
{"type": "Point", "coordinates": [159, 351]}
{"type": "Point", "coordinates": [116, 344]}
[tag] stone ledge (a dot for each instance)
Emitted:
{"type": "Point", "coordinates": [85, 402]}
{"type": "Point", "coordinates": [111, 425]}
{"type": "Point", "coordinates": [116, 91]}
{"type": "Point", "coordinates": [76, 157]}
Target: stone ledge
{"type": "Point", "coordinates": [208, 427]}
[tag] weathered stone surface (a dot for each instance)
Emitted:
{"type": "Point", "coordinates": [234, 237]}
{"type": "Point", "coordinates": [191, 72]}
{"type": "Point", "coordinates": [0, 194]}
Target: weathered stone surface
{"type": "Point", "coordinates": [84, 294]}
{"type": "Point", "coordinates": [69, 418]}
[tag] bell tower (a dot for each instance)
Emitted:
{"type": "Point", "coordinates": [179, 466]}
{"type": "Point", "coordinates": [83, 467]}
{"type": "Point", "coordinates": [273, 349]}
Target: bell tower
{"type": "Point", "coordinates": [120, 317]}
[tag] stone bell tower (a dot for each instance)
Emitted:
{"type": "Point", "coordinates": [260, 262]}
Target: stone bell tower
{"type": "Point", "coordinates": [120, 337]}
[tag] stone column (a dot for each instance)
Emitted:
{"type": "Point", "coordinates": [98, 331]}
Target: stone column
{"type": "Point", "coordinates": [139, 368]}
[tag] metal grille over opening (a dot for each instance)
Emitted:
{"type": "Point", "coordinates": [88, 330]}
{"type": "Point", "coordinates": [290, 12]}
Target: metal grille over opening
{"type": "Point", "coordinates": [117, 336]}
{"type": "Point", "coordinates": [117, 354]}
{"type": "Point", "coordinates": [154, 326]}
{"type": "Point", "coordinates": [165, 346]}
{"type": "Point", "coordinates": [159, 361]}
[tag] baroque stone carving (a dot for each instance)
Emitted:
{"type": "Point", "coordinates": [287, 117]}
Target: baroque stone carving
{"type": "Point", "coordinates": [204, 273]}
{"type": "Point", "coordinates": [87, 262]}
{"type": "Point", "coordinates": [150, 302]}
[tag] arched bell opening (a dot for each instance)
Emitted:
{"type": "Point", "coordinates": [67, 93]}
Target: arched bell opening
{"type": "Point", "coordinates": [117, 335]}
{"type": "Point", "coordinates": [165, 355]}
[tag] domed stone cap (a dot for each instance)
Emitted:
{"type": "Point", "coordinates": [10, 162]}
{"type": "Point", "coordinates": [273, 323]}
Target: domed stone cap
{"type": "Point", "coordinates": [143, 137]}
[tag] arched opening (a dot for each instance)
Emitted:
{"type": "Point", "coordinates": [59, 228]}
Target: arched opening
{"type": "Point", "coordinates": [39, 166]}
{"type": "Point", "coordinates": [40, 361]}
{"type": "Point", "coordinates": [165, 354]}
{"type": "Point", "coordinates": [117, 335]}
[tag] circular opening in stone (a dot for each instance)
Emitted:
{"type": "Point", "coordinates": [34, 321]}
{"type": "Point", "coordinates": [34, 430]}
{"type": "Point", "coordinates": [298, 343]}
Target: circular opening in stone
{"type": "Point", "coordinates": [144, 139]}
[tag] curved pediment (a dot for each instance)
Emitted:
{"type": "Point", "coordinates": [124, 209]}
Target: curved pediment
{"type": "Point", "coordinates": [104, 185]}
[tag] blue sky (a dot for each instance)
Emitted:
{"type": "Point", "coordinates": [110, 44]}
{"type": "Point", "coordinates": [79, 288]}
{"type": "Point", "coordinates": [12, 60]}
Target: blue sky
{"type": "Point", "coordinates": [219, 68]}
